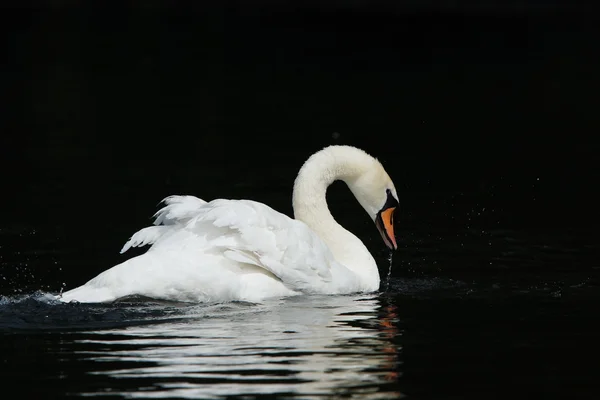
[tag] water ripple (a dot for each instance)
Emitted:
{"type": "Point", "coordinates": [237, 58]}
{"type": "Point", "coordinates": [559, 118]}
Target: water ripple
{"type": "Point", "coordinates": [301, 347]}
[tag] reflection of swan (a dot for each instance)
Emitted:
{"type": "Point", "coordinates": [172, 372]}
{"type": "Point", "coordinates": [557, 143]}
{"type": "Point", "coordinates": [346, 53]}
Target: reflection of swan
{"type": "Point", "coordinates": [243, 250]}
{"type": "Point", "coordinates": [306, 345]}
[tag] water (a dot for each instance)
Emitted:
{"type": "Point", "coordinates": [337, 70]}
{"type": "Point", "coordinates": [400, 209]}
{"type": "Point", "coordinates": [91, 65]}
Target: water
{"type": "Point", "coordinates": [464, 312]}
{"type": "Point", "coordinates": [298, 347]}
{"type": "Point", "coordinates": [389, 273]}
{"type": "Point", "coordinates": [426, 335]}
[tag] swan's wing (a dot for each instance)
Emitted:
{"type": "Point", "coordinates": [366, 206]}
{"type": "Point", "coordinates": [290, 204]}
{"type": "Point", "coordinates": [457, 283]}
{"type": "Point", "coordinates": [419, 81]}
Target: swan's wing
{"type": "Point", "coordinates": [256, 234]}
{"type": "Point", "coordinates": [145, 236]}
{"type": "Point", "coordinates": [247, 232]}
{"type": "Point", "coordinates": [177, 210]}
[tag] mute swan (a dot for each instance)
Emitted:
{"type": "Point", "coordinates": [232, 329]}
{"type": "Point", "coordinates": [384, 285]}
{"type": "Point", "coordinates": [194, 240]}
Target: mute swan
{"type": "Point", "coordinates": [228, 250]}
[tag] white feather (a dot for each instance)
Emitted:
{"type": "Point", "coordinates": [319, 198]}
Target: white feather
{"type": "Point", "coordinates": [145, 236]}
{"type": "Point", "coordinates": [178, 209]}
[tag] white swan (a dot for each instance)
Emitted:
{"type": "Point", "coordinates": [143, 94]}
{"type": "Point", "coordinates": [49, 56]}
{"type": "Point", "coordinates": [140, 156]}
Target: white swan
{"type": "Point", "coordinates": [227, 250]}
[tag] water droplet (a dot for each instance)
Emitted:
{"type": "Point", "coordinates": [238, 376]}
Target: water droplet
{"type": "Point", "coordinates": [389, 275]}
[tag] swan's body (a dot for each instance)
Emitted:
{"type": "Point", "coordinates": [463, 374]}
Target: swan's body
{"type": "Point", "coordinates": [227, 250]}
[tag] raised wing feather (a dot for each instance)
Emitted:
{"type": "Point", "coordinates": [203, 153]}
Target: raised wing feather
{"type": "Point", "coordinates": [145, 236]}
{"type": "Point", "coordinates": [177, 210]}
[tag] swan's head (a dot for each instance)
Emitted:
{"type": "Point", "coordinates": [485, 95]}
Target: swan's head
{"type": "Point", "coordinates": [364, 175]}
{"type": "Point", "coordinates": [375, 191]}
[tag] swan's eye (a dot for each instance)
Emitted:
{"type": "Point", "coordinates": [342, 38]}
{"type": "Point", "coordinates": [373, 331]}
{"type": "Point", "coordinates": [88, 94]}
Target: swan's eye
{"type": "Point", "coordinates": [390, 201]}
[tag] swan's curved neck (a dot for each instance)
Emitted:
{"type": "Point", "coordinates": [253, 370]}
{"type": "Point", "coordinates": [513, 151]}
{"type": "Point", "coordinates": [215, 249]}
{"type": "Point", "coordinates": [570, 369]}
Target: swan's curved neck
{"type": "Point", "coordinates": [310, 205]}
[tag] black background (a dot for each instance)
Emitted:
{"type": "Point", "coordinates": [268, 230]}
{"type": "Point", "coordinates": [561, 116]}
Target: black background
{"type": "Point", "coordinates": [485, 115]}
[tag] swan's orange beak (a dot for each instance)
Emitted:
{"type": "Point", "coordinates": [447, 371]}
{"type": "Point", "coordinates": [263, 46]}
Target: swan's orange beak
{"type": "Point", "coordinates": [385, 225]}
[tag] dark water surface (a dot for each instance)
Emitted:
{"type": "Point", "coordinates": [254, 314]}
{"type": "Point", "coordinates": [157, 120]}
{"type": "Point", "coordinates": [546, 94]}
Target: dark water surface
{"type": "Point", "coordinates": [438, 331]}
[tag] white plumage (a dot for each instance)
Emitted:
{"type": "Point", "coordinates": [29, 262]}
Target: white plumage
{"type": "Point", "coordinates": [226, 250]}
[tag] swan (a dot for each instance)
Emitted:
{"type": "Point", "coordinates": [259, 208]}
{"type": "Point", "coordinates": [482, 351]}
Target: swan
{"type": "Point", "coordinates": [242, 250]}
